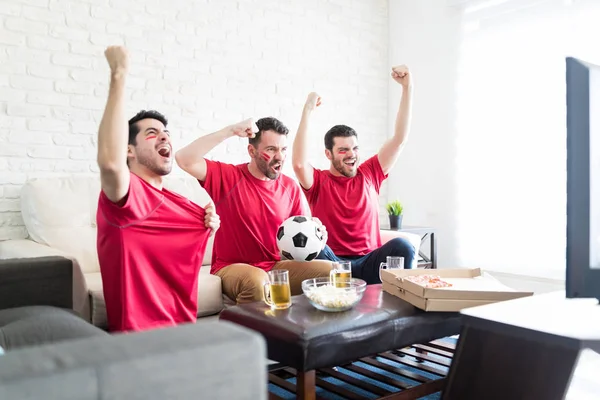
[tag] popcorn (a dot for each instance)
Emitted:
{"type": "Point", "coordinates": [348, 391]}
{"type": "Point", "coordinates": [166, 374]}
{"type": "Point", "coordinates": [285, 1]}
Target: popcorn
{"type": "Point", "coordinates": [331, 297]}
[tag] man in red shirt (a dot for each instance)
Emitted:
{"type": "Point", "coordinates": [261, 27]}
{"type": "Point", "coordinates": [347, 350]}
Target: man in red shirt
{"type": "Point", "coordinates": [345, 197]}
{"type": "Point", "coordinates": [151, 241]}
{"type": "Point", "coordinates": [253, 199]}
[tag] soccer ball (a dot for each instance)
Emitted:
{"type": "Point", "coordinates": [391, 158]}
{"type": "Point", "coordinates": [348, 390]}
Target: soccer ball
{"type": "Point", "coordinates": [299, 239]}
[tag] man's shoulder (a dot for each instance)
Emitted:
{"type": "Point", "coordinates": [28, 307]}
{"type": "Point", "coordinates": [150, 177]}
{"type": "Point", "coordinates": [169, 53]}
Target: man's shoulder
{"type": "Point", "coordinates": [320, 175]}
{"type": "Point", "coordinates": [225, 166]}
{"type": "Point", "coordinates": [370, 166]}
{"type": "Point", "coordinates": [288, 182]}
{"type": "Point", "coordinates": [370, 162]}
{"type": "Point", "coordinates": [141, 198]}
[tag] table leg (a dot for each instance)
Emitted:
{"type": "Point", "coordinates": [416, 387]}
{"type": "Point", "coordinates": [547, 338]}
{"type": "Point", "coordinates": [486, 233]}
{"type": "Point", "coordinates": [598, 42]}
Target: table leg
{"type": "Point", "coordinates": [305, 385]}
{"type": "Point", "coordinates": [430, 259]}
{"type": "Point", "coordinates": [433, 250]}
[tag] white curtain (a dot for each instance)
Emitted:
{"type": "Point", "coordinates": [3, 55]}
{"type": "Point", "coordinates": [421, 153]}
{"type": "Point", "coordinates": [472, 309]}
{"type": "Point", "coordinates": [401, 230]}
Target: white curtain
{"type": "Point", "coordinates": [512, 131]}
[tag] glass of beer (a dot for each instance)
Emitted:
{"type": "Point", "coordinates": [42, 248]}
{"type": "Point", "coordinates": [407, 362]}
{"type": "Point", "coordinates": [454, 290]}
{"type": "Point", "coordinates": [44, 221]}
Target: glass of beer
{"type": "Point", "coordinates": [341, 273]}
{"type": "Point", "coordinates": [277, 290]}
{"type": "Point", "coordinates": [391, 263]}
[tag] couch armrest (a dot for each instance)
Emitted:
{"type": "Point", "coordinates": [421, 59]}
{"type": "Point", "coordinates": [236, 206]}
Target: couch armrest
{"type": "Point", "coordinates": [210, 360]}
{"type": "Point", "coordinates": [413, 238]}
{"type": "Point", "coordinates": [40, 281]}
{"type": "Point", "coordinates": [25, 248]}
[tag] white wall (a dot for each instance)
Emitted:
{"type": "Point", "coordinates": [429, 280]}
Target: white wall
{"type": "Point", "coordinates": [426, 36]}
{"type": "Point", "coordinates": [204, 64]}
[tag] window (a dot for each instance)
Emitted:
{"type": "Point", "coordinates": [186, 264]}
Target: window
{"type": "Point", "coordinates": [512, 131]}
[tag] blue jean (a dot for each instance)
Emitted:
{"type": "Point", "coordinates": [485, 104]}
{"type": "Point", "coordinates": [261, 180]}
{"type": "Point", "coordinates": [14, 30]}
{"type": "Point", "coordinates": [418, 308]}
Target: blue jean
{"type": "Point", "coordinates": [367, 267]}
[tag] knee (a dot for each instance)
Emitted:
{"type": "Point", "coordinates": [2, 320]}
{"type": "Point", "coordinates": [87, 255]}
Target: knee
{"type": "Point", "coordinates": [326, 254]}
{"type": "Point", "coordinates": [401, 247]}
{"type": "Point", "coordinates": [320, 268]}
{"type": "Point", "coordinates": [251, 286]}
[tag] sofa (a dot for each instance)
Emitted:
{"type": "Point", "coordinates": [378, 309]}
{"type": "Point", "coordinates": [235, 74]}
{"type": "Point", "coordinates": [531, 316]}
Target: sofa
{"type": "Point", "coordinates": [36, 303]}
{"type": "Point", "coordinates": [213, 360]}
{"type": "Point", "coordinates": [60, 217]}
{"type": "Point", "coordinates": [51, 353]}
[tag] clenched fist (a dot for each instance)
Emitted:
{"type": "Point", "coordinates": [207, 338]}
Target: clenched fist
{"type": "Point", "coordinates": [118, 59]}
{"type": "Point", "coordinates": [401, 74]}
{"type": "Point", "coordinates": [211, 219]}
{"type": "Point", "coordinates": [312, 101]}
{"type": "Point", "coordinates": [245, 129]}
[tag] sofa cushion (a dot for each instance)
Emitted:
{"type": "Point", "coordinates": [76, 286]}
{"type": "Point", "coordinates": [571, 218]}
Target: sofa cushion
{"type": "Point", "coordinates": [36, 325]}
{"type": "Point", "coordinates": [413, 239]}
{"type": "Point", "coordinates": [210, 299]}
{"type": "Point", "coordinates": [60, 213]}
{"type": "Point", "coordinates": [214, 360]}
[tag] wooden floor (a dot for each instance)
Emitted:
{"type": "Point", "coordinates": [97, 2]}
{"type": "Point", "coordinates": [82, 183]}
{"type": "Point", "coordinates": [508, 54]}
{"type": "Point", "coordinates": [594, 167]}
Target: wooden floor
{"type": "Point", "coordinates": [417, 385]}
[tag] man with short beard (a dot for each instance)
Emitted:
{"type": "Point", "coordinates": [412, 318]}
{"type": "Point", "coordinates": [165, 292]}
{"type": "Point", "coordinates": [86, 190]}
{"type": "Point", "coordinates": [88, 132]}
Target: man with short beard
{"type": "Point", "coordinates": [151, 241]}
{"type": "Point", "coordinates": [253, 199]}
{"type": "Point", "coordinates": [345, 197]}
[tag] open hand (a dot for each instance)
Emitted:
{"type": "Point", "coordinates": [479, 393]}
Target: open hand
{"type": "Point", "coordinates": [321, 228]}
{"type": "Point", "coordinates": [211, 219]}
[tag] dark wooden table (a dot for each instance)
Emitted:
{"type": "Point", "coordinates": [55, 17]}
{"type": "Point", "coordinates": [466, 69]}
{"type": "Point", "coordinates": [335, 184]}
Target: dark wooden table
{"type": "Point", "coordinates": [306, 339]}
{"type": "Point", "coordinates": [428, 260]}
{"type": "Point", "coordinates": [524, 349]}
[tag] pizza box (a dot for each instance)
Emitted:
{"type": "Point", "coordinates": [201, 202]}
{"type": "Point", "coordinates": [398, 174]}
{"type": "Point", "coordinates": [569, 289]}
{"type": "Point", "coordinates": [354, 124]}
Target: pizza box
{"type": "Point", "coordinates": [470, 287]}
{"type": "Point", "coordinates": [448, 305]}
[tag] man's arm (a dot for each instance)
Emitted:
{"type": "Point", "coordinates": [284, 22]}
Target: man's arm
{"type": "Point", "coordinates": [388, 155]}
{"type": "Point", "coordinates": [302, 168]}
{"type": "Point", "coordinates": [191, 158]}
{"type": "Point", "coordinates": [113, 134]}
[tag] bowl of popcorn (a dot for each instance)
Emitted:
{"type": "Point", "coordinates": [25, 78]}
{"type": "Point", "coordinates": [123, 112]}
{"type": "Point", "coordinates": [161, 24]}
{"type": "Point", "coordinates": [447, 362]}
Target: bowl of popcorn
{"type": "Point", "coordinates": [324, 295]}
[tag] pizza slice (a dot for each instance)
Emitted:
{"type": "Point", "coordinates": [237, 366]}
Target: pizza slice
{"type": "Point", "coordinates": [429, 281]}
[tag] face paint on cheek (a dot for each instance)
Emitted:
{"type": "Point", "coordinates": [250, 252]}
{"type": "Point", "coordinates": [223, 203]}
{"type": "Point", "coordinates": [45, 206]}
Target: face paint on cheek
{"type": "Point", "coordinates": [342, 152]}
{"type": "Point", "coordinates": [265, 156]}
{"type": "Point", "coordinates": [150, 137]}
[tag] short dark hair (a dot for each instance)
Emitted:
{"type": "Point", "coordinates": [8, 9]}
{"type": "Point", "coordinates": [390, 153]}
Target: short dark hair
{"type": "Point", "coordinates": [338, 131]}
{"type": "Point", "coordinates": [144, 114]}
{"type": "Point", "coordinates": [268, 124]}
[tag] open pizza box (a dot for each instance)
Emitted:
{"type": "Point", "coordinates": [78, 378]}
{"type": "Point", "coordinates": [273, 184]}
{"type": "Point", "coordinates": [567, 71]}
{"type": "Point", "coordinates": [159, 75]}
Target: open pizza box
{"type": "Point", "coordinates": [469, 288]}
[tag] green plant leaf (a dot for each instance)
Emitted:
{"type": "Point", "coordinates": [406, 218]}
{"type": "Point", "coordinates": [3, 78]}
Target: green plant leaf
{"type": "Point", "coordinates": [394, 208]}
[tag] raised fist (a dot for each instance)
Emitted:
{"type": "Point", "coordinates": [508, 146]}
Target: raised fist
{"type": "Point", "coordinates": [246, 128]}
{"type": "Point", "coordinates": [118, 58]}
{"type": "Point", "coordinates": [313, 101]}
{"type": "Point", "coordinates": [401, 74]}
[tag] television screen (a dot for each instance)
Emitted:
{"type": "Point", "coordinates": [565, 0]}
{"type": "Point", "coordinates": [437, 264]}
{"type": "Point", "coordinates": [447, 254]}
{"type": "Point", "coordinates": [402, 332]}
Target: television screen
{"type": "Point", "coordinates": [583, 179]}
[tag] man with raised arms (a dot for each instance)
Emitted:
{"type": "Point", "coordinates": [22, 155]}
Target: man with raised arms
{"type": "Point", "coordinates": [346, 196]}
{"type": "Point", "coordinates": [151, 241]}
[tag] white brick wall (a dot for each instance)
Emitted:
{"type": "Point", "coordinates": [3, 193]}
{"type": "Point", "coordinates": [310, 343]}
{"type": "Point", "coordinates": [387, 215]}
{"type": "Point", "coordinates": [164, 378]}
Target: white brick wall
{"type": "Point", "coordinates": [203, 63]}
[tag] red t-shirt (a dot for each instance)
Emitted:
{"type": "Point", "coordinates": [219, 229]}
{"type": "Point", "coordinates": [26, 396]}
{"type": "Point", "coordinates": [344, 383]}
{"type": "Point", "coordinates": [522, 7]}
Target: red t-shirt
{"type": "Point", "coordinates": [251, 211]}
{"type": "Point", "coordinates": [349, 208]}
{"type": "Point", "coordinates": [150, 252]}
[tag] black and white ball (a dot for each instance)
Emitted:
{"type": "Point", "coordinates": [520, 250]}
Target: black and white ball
{"type": "Point", "coordinates": [299, 238]}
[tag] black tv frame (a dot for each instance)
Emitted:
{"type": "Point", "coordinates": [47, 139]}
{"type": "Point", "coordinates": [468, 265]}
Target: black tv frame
{"type": "Point", "coordinates": [583, 93]}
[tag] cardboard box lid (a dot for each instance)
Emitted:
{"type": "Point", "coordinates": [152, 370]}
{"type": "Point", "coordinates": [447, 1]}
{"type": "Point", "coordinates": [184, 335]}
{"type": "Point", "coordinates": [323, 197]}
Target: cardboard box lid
{"type": "Point", "coordinates": [441, 305]}
{"type": "Point", "coordinates": [467, 284]}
